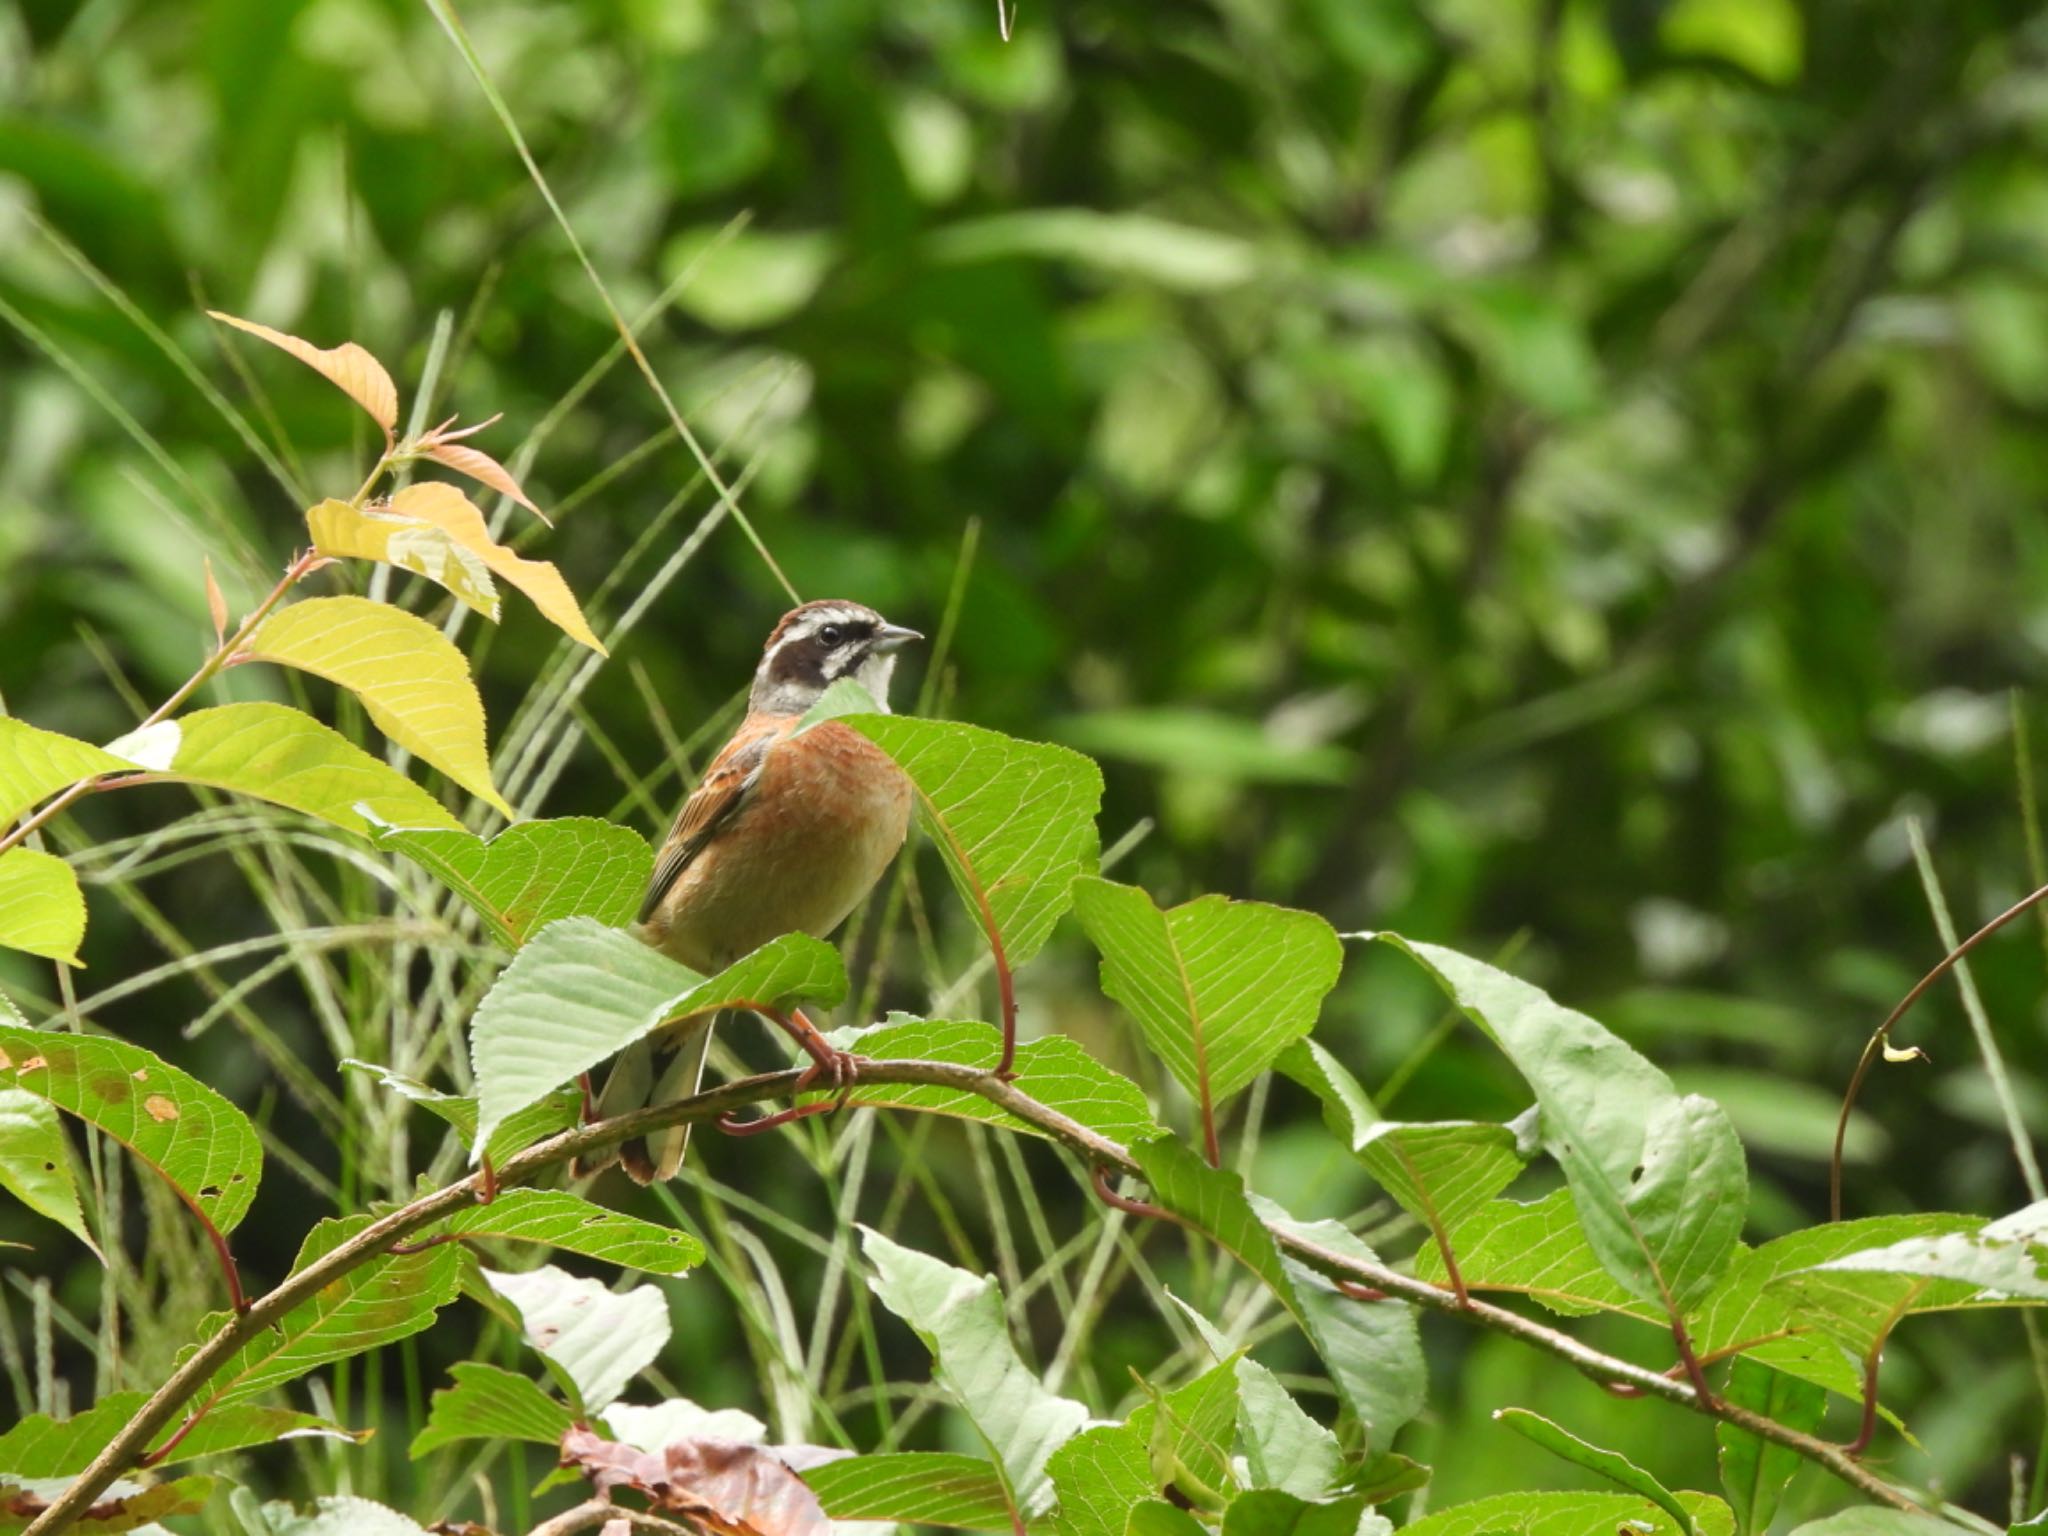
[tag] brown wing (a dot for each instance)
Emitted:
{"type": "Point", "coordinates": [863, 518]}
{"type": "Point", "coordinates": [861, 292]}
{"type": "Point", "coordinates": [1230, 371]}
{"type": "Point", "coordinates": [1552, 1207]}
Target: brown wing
{"type": "Point", "coordinates": [710, 808]}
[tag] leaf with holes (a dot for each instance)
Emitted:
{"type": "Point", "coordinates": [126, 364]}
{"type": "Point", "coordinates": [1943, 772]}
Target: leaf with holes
{"type": "Point", "coordinates": [124, 1507]}
{"type": "Point", "coordinates": [580, 992]}
{"type": "Point", "coordinates": [1754, 1471]}
{"type": "Point", "coordinates": [278, 754]}
{"type": "Point", "coordinates": [1612, 1465]}
{"type": "Point", "coordinates": [434, 504]}
{"type": "Point", "coordinates": [593, 1340]}
{"type": "Point", "coordinates": [1440, 1173]}
{"type": "Point", "coordinates": [1055, 1071]}
{"type": "Point", "coordinates": [1371, 1352]}
{"type": "Point", "coordinates": [1013, 820]}
{"type": "Point", "coordinates": [1219, 988]}
{"type": "Point", "coordinates": [409, 676]}
{"type": "Point", "coordinates": [35, 1168]}
{"type": "Point", "coordinates": [535, 873]}
{"type": "Point", "coordinates": [42, 910]}
{"type": "Point", "coordinates": [383, 1301]}
{"type": "Point", "coordinates": [961, 1319]}
{"type": "Point", "coordinates": [40, 1446]}
{"type": "Point", "coordinates": [486, 1403]}
{"type": "Point", "coordinates": [574, 1225]}
{"type": "Point", "coordinates": [202, 1145]}
{"type": "Point", "coordinates": [347, 367]}
{"type": "Point", "coordinates": [345, 531]}
{"type": "Point", "coordinates": [913, 1488]}
{"type": "Point", "coordinates": [1658, 1179]}
{"type": "Point", "coordinates": [35, 764]}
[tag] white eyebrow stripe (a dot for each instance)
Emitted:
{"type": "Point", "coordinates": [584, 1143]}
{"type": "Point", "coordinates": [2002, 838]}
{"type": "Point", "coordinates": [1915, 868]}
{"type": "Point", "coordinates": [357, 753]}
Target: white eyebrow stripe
{"type": "Point", "coordinates": [811, 623]}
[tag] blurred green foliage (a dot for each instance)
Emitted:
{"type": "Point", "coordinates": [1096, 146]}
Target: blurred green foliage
{"type": "Point", "coordinates": [1561, 474]}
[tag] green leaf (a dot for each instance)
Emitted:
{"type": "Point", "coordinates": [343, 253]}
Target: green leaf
{"type": "Point", "coordinates": [569, 1222]}
{"type": "Point", "coordinates": [593, 1340]}
{"type": "Point", "coordinates": [1158, 1517]}
{"type": "Point", "coordinates": [844, 696]}
{"type": "Point", "coordinates": [125, 1507]}
{"type": "Point", "coordinates": [1754, 1472]}
{"type": "Point", "coordinates": [1056, 1071]}
{"type": "Point", "coordinates": [960, 1318]}
{"type": "Point", "coordinates": [580, 992]}
{"type": "Point", "coordinates": [1874, 1520]}
{"type": "Point", "coordinates": [1536, 1249]}
{"type": "Point", "coordinates": [202, 1145]}
{"type": "Point", "coordinates": [1219, 987]}
{"type": "Point", "coordinates": [1013, 820]}
{"type": "Point", "coordinates": [1188, 1434]}
{"type": "Point", "coordinates": [376, 532]}
{"type": "Point", "coordinates": [409, 676]}
{"type": "Point", "coordinates": [40, 1446]}
{"type": "Point", "coordinates": [1099, 1477]}
{"type": "Point", "coordinates": [385, 1300]}
{"type": "Point", "coordinates": [1270, 1512]}
{"type": "Point", "coordinates": [1658, 1180]}
{"type": "Point", "coordinates": [42, 910]}
{"type": "Point", "coordinates": [1765, 37]}
{"type": "Point", "coordinates": [556, 1112]}
{"type": "Point", "coordinates": [1612, 1465]}
{"type": "Point", "coordinates": [1206, 744]}
{"type": "Point", "coordinates": [1370, 1349]}
{"type": "Point", "coordinates": [1283, 1447]}
{"type": "Point", "coordinates": [486, 1403]}
{"type": "Point", "coordinates": [278, 754]}
{"type": "Point", "coordinates": [1176, 256]}
{"type": "Point", "coordinates": [35, 764]}
{"type": "Point", "coordinates": [1441, 1173]}
{"type": "Point", "coordinates": [2006, 1256]}
{"type": "Point", "coordinates": [534, 873]}
{"type": "Point", "coordinates": [35, 1168]}
{"type": "Point", "coordinates": [913, 1488]}
{"type": "Point", "coordinates": [1573, 1514]}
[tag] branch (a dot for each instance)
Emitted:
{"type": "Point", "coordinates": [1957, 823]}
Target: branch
{"type": "Point", "coordinates": [597, 1513]}
{"type": "Point", "coordinates": [127, 1449]}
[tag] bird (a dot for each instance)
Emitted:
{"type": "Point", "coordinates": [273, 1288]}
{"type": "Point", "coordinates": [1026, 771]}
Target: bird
{"type": "Point", "coordinates": [786, 833]}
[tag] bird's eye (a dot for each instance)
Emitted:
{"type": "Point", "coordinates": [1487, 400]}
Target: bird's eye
{"type": "Point", "coordinates": [831, 634]}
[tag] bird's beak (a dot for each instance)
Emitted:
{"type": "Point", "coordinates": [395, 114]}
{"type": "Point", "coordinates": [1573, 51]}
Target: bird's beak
{"type": "Point", "coordinates": [893, 637]}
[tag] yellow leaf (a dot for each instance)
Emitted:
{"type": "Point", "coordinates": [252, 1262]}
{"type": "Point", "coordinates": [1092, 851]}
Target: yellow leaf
{"type": "Point", "coordinates": [446, 507]}
{"type": "Point", "coordinates": [484, 469]}
{"type": "Point", "coordinates": [41, 908]}
{"type": "Point", "coordinates": [348, 367]}
{"type": "Point", "coordinates": [414, 683]}
{"type": "Point", "coordinates": [375, 533]}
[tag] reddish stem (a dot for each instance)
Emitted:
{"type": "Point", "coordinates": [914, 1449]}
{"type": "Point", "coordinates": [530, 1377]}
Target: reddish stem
{"type": "Point", "coordinates": [1359, 1292]}
{"type": "Point", "coordinates": [424, 1243]}
{"type": "Point", "coordinates": [1694, 1371]}
{"type": "Point", "coordinates": [1099, 1176]}
{"type": "Point", "coordinates": [157, 1456]}
{"type": "Point", "coordinates": [1868, 1427]}
{"type": "Point", "coordinates": [221, 1253]}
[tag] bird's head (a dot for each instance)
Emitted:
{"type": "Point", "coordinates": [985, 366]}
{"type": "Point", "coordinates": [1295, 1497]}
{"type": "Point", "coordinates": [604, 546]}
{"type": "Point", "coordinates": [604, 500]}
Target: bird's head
{"type": "Point", "coordinates": [816, 645]}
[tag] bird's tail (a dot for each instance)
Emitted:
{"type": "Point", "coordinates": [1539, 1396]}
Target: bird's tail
{"type": "Point", "coordinates": [657, 1070]}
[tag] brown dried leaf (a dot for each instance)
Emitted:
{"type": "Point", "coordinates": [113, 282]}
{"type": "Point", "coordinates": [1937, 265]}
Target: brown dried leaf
{"type": "Point", "coordinates": [444, 506]}
{"type": "Point", "coordinates": [727, 1486]}
{"type": "Point", "coordinates": [348, 367]}
{"type": "Point", "coordinates": [485, 470]}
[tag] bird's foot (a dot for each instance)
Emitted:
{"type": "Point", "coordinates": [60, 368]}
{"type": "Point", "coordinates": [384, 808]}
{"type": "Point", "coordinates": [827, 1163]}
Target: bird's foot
{"type": "Point", "coordinates": [834, 1071]}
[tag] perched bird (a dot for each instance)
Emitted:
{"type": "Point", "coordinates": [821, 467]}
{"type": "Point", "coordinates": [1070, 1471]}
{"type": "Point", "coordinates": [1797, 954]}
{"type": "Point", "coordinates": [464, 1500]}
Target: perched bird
{"type": "Point", "coordinates": [785, 834]}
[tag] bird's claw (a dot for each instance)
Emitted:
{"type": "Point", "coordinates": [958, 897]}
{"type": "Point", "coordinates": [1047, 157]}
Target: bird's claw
{"type": "Point", "coordinates": [836, 1071]}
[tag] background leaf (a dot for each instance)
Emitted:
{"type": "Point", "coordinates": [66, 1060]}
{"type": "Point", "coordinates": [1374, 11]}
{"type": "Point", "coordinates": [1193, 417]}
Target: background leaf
{"type": "Point", "coordinates": [414, 683]}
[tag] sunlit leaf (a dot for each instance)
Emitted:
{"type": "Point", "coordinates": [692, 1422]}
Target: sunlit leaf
{"type": "Point", "coordinates": [374, 532]}
{"type": "Point", "coordinates": [531, 874]}
{"type": "Point", "coordinates": [913, 1488]}
{"type": "Point", "coordinates": [202, 1145]}
{"type": "Point", "coordinates": [1013, 820]}
{"type": "Point", "coordinates": [558, 1219]}
{"type": "Point", "coordinates": [1218, 987]}
{"type": "Point", "coordinates": [348, 367]}
{"type": "Point", "coordinates": [40, 1446]}
{"type": "Point", "coordinates": [1612, 1465]}
{"type": "Point", "coordinates": [35, 764]}
{"type": "Point", "coordinates": [483, 469]}
{"type": "Point", "coordinates": [436, 504]}
{"type": "Point", "coordinates": [1055, 1071]}
{"type": "Point", "coordinates": [593, 1339]}
{"type": "Point", "coordinates": [1658, 1180]}
{"type": "Point", "coordinates": [487, 1403]}
{"type": "Point", "coordinates": [2008, 1257]}
{"type": "Point", "coordinates": [388, 1299]}
{"type": "Point", "coordinates": [288, 758]}
{"type": "Point", "coordinates": [960, 1317]}
{"type": "Point", "coordinates": [42, 910]}
{"type": "Point", "coordinates": [1754, 1471]}
{"type": "Point", "coordinates": [413, 682]}
{"type": "Point", "coordinates": [580, 992]}
{"type": "Point", "coordinates": [35, 1168]}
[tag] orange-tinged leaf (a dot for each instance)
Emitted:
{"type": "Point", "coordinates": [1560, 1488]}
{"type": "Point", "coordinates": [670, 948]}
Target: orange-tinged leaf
{"type": "Point", "coordinates": [426, 549]}
{"type": "Point", "coordinates": [444, 506]}
{"type": "Point", "coordinates": [216, 605]}
{"type": "Point", "coordinates": [485, 470]}
{"type": "Point", "coordinates": [348, 367]}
